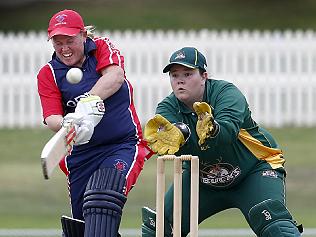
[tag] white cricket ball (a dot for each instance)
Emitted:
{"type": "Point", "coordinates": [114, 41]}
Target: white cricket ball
{"type": "Point", "coordinates": [74, 75]}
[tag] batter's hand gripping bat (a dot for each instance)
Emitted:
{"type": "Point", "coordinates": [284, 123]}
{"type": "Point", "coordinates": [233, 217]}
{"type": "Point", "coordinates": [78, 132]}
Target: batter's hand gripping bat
{"type": "Point", "coordinates": [57, 148]}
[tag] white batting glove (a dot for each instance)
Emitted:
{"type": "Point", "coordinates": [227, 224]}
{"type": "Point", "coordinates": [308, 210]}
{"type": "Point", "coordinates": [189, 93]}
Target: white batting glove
{"type": "Point", "coordinates": [71, 118]}
{"type": "Point", "coordinates": [87, 115]}
{"type": "Point", "coordinates": [92, 108]}
{"type": "Point", "coordinates": [84, 132]}
{"type": "Point", "coordinates": [84, 128]}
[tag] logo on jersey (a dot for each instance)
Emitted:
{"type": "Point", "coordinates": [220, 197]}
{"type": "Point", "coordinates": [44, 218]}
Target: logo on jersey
{"type": "Point", "coordinates": [218, 175]}
{"type": "Point", "coordinates": [270, 173]}
{"type": "Point", "coordinates": [73, 103]}
{"type": "Point", "coordinates": [120, 165]}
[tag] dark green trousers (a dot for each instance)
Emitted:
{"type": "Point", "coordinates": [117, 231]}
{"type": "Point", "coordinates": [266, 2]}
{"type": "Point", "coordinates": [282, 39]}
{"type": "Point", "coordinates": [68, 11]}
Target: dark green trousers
{"type": "Point", "coordinates": [257, 187]}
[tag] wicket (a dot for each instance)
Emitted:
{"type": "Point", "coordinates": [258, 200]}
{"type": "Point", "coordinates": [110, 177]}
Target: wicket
{"type": "Point", "coordinates": [177, 197]}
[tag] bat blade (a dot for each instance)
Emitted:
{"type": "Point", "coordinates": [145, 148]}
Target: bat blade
{"type": "Point", "coordinates": [56, 149]}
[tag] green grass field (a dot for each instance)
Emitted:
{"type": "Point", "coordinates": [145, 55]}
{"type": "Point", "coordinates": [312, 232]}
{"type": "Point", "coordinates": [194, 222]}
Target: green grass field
{"type": "Point", "coordinates": [29, 201]}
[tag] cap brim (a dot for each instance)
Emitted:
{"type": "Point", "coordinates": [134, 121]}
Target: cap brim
{"type": "Point", "coordinates": [64, 31]}
{"type": "Point", "coordinates": [168, 67]}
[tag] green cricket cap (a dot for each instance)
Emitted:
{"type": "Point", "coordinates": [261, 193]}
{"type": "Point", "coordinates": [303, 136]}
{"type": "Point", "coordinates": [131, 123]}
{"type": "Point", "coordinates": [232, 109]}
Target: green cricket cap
{"type": "Point", "coordinates": [189, 57]}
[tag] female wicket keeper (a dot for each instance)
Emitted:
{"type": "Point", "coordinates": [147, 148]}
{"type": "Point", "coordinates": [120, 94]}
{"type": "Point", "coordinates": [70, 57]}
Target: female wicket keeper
{"type": "Point", "coordinates": [241, 165]}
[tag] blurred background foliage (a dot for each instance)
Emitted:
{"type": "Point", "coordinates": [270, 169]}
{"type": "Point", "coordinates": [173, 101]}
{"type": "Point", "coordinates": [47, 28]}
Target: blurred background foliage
{"type": "Point", "coordinates": [26, 15]}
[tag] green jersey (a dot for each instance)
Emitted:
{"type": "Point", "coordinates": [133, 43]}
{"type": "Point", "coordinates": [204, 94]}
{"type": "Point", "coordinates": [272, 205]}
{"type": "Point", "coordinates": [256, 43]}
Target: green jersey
{"type": "Point", "coordinates": [241, 146]}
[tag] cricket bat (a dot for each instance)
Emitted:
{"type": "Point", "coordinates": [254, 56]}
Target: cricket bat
{"type": "Point", "coordinates": [57, 148]}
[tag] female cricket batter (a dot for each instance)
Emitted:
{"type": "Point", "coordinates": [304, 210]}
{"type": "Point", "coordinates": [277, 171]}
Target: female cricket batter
{"type": "Point", "coordinates": [241, 165]}
{"type": "Point", "coordinates": [109, 152]}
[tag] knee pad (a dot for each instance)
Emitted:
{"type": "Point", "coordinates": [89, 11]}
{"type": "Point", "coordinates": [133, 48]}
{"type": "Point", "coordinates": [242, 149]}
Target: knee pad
{"type": "Point", "coordinates": [270, 218]}
{"type": "Point", "coordinates": [149, 224]}
{"type": "Point", "coordinates": [103, 203]}
{"type": "Point", "coordinates": [72, 227]}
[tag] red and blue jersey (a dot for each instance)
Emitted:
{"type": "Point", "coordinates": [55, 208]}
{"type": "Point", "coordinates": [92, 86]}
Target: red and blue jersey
{"type": "Point", "coordinates": [59, 97]}
{"type": "Point", "coordinates": [117, 139]}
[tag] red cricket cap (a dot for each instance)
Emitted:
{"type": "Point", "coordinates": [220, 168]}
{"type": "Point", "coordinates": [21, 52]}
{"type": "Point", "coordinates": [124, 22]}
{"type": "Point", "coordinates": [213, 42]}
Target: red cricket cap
{"type": "Point", "coordinates": [66, 22]}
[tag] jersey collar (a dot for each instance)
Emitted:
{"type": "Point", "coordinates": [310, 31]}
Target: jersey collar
{"type": "Point", "coordinates": [89, 46]}
{"type": "Point", "coordinates": [183, 108]}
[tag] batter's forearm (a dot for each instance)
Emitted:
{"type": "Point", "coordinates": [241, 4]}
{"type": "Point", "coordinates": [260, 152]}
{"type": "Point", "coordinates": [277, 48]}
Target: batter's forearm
{"type": "Point", "coordinates": [54, 122]}
{"type": "Point", "coordinates": [110, 82]}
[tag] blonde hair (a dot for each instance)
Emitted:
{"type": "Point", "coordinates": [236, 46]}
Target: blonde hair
{"type": "Point", "coordinates": [90, 31]}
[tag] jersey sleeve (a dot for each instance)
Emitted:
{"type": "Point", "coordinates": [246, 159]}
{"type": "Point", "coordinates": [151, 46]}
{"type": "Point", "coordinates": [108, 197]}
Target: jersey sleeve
{"type": "Point", "coordinates": [50, 96]}
{"type": "Point", "coordinates": [107, 54]}
{"type": "Point", "coordinates": [230, 111]}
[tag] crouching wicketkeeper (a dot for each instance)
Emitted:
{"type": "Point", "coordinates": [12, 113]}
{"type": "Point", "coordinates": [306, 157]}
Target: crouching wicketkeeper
{"type": "Point", "coordinates": [241, 165]}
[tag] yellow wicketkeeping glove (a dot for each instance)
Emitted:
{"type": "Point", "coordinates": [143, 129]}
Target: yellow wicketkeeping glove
{"type": "Point", "coordinates": [205, 123]}
{"type": "Point", "coordinates": [162, 136]}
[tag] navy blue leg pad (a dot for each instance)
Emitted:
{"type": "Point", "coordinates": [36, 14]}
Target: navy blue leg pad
{"type": "Point", "coordinates": [103, 203]}
{"type": "Point", "coordinates": [106, 178]}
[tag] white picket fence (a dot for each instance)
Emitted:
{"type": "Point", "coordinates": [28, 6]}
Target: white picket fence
{"type": "Point", "coordinates": [275, 70]}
